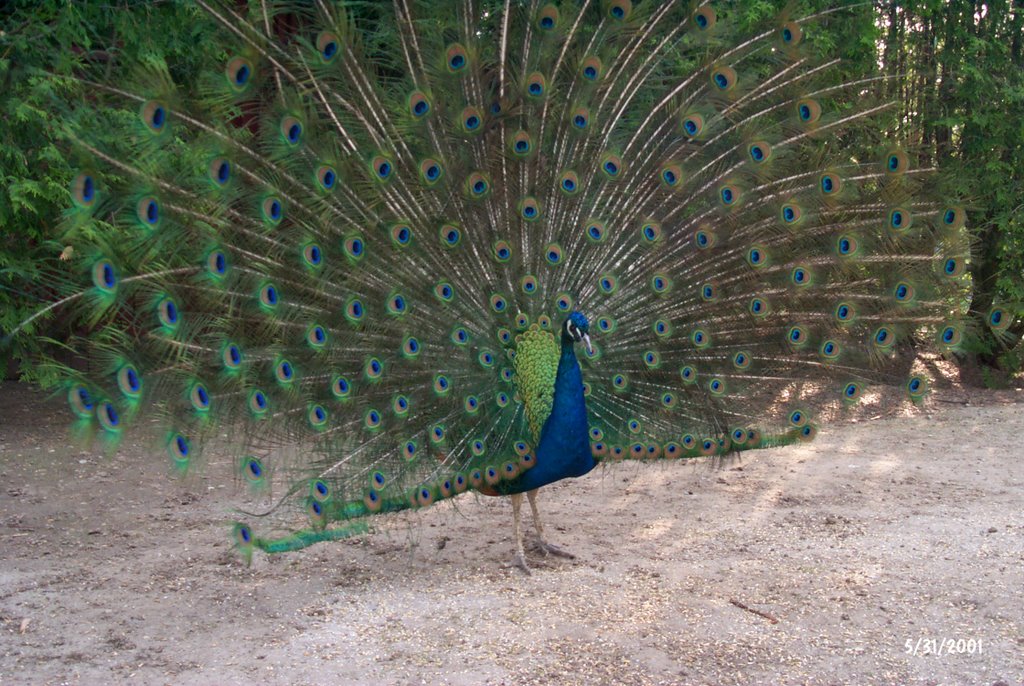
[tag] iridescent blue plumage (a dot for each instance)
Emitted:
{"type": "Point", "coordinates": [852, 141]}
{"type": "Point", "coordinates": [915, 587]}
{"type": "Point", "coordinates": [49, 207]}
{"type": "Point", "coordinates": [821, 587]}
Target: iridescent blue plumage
{"type": "Point", "coordinates": [564, 447]}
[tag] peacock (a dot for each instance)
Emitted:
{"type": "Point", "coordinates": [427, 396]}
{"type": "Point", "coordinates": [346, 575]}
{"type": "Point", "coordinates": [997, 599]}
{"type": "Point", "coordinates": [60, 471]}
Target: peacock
{"type": "Point", "coordinates": [386, 254]}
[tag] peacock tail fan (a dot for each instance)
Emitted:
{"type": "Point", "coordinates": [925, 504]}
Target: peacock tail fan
{"type": "Point", "coordinates": [351, 243]}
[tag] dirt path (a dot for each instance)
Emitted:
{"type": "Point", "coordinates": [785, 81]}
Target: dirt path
{"type": "Point", "coordinates": [815, 564]}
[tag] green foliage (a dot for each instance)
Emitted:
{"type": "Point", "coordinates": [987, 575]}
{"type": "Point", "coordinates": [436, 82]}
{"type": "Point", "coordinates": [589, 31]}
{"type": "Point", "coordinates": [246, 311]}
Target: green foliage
{"type": "Point", "coordinates": [41, 44]}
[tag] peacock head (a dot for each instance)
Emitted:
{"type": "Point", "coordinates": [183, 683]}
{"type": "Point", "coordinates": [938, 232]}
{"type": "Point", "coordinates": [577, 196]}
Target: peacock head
{"type": "Point", "coordinates": [576, 329]}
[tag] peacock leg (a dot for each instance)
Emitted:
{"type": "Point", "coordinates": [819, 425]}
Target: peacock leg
{"type": "Point", "coordinates": [520, 558]}
{"type": "Point", "coordinates": [544, 545]}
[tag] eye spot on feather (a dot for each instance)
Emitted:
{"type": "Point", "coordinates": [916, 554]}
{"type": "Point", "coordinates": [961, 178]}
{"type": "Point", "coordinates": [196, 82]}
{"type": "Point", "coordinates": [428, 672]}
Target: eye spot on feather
{"type": "Point", "coordinates": [693, 125]}
{"type": "Point", "coordinates": [258, 403]}
{"type": "Point", "coordinates": [999, 319]}
{"type": "Point", "coordinates": [758, 307]}
{"type": "Point", "coordinates": [167, 313]}
{"type": "Point", "coordinates": [477, 185]}
{"type": "Point", "coordinates": [431, 171]}
{"type": "Point", "coordinates": [547, 18]}
{"type": "Point", "coordinates": [326, 177]}
{"type": "Point", "coordinates": [382, 167]}
{"type": "Point", "coordinates": [471, 120]}
{"type": "Point", "coordinates": [620, 10]}
{"type": "Point", "coordinates": [104, 276]}
{"type": "Point", "coordinates": [437, 433]}
{"type": "Point", "coordinates": [553, 254]}
{"type": "Point", "coordinates": [704, 18]}
{"type": "Point", "coordinates": [83, 190]}
{"type": "Point", "coordinates": [450, 235]}
{"type": "Point", "coordinates": [327, 46]}
{"type": "Point", "coordinates": [917, 386]}
{"type": "Point", "coordinates": [444, 292]}
{"type": "Point", "coordinates": [317, 416]}
{"type": "Point", "coordinates": [830, 184]}
{"type": "Point", "coordinates": [109, 417]}
{"type": "Point", "coordinates": [897, 162]}
{"type": "Point", "coordinates": [728, 195]}
{"type": "Point", "coordinates": [847, 246]}
{"type": "Point", "coordinates": [239, 74]}
{"type": "Point", "coordinates": [808, 110]}
{"type": "Point", "coordinates": [180, 449]}
{"type": "Point", "coordinates": [272, 210]}
{"type": "Point", "coordinates": [950, 336]}
{"type": "Point", "coordinates": [592, 68]}
{"type": "Point", "coordinates": [419, 105]}
{"type": "Point", "coordinates": [154, 115]}
{"type": "Point", "coordinates": [759, 152]}
{"type": "Point", "coordinates": [397, 304]}
{"type": "Point", "coordinates": [671, 175]}
{"type": "Point", "coordinates": [884, 337]}
{"type": "Point", "coordinates": [502, 251]}
{"type": "Point", "coordinates": [796, 336]}
{"type": "Point", "coordinates": [900, 219]}
{"type": "Point", "coordinates": [954, 218]}
{"type": "Point", "coordinates": [284, 372]}
{"type": "Point", "coordinates": [127, 380]}
{"type": "Point", "coordinates": [569, 183]}
{"type": "Point", "coordinates": [580, 118]}
{"type": "Point", "coordinates": [401, 235]}
{"type": "Point", "coordinates": [312, 255]}
{"type": "Point", "coordinates": [354, 310]}
{"type": "Point", "coordinates": [498, 303]}
{"type": "Point", "coordinates": [529, 209]}
{"type": "Point", "coordinates": [903, 292]}
{"type": "Point", "coordinates": [148, 212]}
{"type": "Point", "coordinates": [724, 78]}
{"type": "Point", "coordinates": [341, 388]}
{"type": "Point", "coordinates": [231, 357]}
{"type": "Point", "coordinates": [456, 58]}
{"type": "Point", "coordinates": [844, 312]}
{"type": "Point", "coordinates": [660, 283]}
{"type": "Point", "coordinates": [536, 85]}
{"type": "Point", "coordinates": [374, 368]}
{"type": "Point", "coordinates": [791, 33]}
{"type": "Point", "coordinates": [704, 239]}
{"type": "Point", "coordinates": [522, 144]}
{"type": "Point", "coordinates": [953, 266]}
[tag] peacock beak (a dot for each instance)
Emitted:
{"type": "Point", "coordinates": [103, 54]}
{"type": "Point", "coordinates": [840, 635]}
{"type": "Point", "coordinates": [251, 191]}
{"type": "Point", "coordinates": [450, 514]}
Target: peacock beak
{"type": "Point", "coordinates": [586, 342]}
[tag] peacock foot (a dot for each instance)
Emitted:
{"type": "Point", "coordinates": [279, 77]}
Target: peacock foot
{"type": "Point", "coordinates": [519, 561]}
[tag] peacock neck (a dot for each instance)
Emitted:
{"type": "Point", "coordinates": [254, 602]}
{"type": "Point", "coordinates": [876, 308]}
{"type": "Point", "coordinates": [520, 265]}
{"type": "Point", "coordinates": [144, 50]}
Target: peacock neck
{"type": "Point", "coordinates": [567, 429]}
{"type": "Point", "coordinates": [569, 400]}
{"type": "Point", "coordinates": [564, 447]}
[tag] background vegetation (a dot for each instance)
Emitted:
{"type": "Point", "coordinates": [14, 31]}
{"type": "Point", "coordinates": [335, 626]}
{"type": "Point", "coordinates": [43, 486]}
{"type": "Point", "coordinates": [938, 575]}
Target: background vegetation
{"type": "Point", "coordinates": [959, 68]}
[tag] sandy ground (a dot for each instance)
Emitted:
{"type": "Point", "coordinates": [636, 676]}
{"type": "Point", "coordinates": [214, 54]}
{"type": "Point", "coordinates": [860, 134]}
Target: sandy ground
{"type": "Point", "coordinates": [817, 564]}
